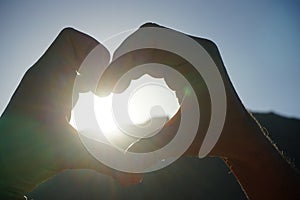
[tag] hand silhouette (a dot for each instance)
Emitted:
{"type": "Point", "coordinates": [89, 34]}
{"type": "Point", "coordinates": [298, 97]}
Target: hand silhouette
{"type": "Point", "coordinates": [36, 139]}
{"type": "Point", "coordinates": [243, 146]}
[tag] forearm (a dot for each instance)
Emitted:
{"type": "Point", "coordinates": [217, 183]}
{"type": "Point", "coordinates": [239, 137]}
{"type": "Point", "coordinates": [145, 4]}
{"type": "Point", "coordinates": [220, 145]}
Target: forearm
{"type": "Point", "coordinates": [261, 169]}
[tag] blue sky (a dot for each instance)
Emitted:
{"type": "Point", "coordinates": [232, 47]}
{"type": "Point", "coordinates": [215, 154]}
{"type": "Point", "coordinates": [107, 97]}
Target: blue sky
{"type": "Point", "coordinates": [258, 40]}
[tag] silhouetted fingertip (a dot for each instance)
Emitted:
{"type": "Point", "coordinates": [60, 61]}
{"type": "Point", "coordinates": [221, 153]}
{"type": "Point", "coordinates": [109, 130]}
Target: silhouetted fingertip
{"type": "Point", "coordinates": [150, 24]}
{"type": "Point", "coordinates": [68, 30]}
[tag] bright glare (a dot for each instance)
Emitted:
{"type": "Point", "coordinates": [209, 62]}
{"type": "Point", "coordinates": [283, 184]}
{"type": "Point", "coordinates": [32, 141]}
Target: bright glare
{"type": "Point", "coordinates": [145, 100]}
{"type": "Point", "coordinates": [103, 112]}
{"type": "Point", "coordinates": [141, 104]}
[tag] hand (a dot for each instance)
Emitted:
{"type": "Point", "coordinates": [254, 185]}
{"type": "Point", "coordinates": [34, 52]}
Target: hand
{"type": "Point", "coordinates": [243, 146]}
{"type": "Point", "coordinates": [36, 139]}
{"type": "Point", "coordinates": [236, 111]}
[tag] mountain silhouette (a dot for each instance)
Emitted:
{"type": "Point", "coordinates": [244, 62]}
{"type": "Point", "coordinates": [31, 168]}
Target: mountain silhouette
{"type": "Point", "coordinates": [187, 178]}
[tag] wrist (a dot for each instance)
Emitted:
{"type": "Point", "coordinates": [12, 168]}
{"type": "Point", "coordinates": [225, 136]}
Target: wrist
{"type": "Point", "coordinates": [248, 140]}
{"type": "Point", "coordinates": [242, 136]}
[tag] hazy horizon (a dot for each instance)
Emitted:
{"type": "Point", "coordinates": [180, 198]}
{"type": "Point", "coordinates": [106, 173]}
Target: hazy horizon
{"type": "Point", "coordinates": [258, 40]}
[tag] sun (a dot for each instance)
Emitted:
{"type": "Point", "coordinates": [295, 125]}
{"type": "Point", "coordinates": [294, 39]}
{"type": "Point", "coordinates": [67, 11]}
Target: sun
{"type": "Point", "coordinates": [146, 101]}
{"type": "Point", "coordinates": [103, 113]}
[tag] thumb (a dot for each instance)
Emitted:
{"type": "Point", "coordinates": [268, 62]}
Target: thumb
{"type": "Point", "coordinates": [75, 156]}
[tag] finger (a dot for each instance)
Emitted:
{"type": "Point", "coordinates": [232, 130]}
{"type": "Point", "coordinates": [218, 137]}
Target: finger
{"type": "Point", "coordinates": [117, 77]}
{"type": "Point", "coordinates": [67, 51]}
{"type": "Point", "coordinates": [113, 73]}
{"type": "Point", "coordinates": [160, 139]}
{"type": "Point", "coordinates": [46, 88]}
{"type": "Point", "coordinates": [75, 156]}
{"type": "Point", "coordinates": [110, 80]}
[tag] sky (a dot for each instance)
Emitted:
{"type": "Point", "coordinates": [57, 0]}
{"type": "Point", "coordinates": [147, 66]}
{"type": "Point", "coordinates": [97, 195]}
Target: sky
{"type": "Point", "coordinates": [258, 40]}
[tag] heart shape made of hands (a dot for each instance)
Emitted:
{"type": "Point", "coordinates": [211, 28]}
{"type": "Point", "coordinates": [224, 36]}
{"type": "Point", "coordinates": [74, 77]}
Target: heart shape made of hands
{"type": "Point", "coordinates": [186, 67]}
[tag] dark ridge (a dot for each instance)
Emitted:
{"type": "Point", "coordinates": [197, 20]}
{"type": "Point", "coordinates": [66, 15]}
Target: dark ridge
{"type": "Point", "coordinates": [187, 178]}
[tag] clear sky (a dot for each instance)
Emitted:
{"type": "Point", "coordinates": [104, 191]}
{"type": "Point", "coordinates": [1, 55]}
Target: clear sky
{"type": "Point", "coordinates": [258, 40]}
